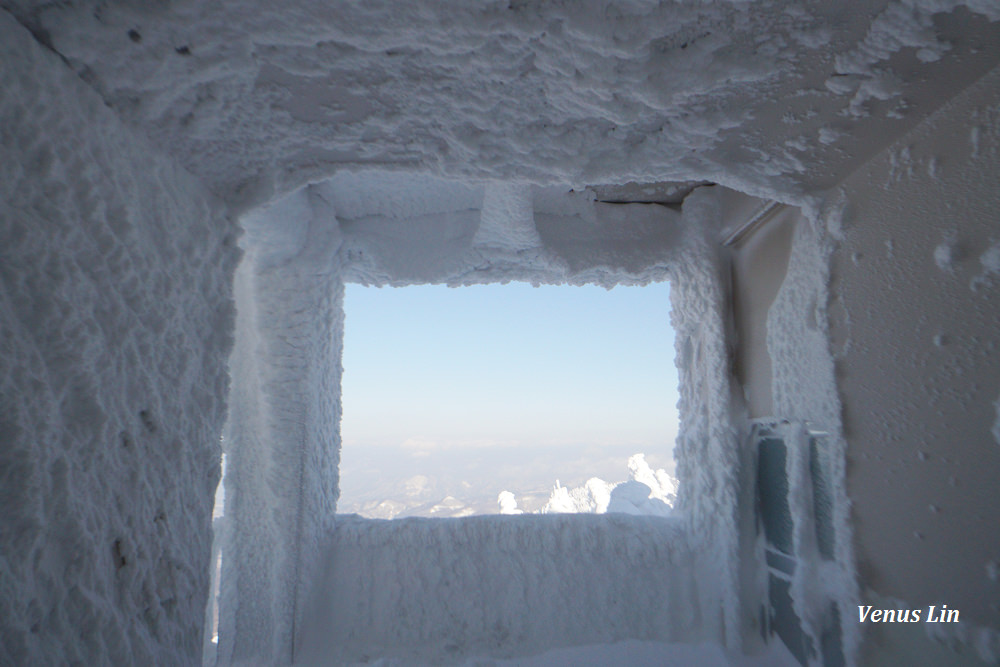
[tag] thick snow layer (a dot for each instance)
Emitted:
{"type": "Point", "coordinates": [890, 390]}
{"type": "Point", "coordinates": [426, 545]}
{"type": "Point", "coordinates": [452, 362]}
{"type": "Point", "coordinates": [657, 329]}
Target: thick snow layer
{"type": "Point", "coordinates": [115, 302]}
{"type": "Point", "coordinates": [260, 99]}
{"type": "Point", "coordinates": [435, 591]}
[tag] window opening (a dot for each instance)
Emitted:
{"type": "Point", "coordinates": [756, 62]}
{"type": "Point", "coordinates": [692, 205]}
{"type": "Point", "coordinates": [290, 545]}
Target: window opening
{"type": "Point", "coordinates": [507, 398]}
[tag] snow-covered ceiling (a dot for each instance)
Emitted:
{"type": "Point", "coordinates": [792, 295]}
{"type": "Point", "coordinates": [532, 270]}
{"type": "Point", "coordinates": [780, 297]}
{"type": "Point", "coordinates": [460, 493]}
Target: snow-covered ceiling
{"type": "Point", "coordinates": [260, 97]}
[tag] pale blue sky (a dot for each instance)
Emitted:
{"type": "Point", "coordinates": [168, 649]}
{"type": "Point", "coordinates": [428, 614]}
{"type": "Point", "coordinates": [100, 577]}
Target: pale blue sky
{"type": "Point", "coordinates": [432, 367]}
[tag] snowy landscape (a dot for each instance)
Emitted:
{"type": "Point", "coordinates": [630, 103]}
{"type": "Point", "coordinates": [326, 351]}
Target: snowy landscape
{"type": "Point", "coordinates": [189, 193]}
{"type": "Point", "coordinates": [643, 491]}
{"type": "Point", "coordinates": [416, 441]}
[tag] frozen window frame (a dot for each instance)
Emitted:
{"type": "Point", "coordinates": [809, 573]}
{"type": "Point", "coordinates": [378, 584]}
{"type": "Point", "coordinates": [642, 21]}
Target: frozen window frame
{"type": "Point", "coordinates": [282, 435]}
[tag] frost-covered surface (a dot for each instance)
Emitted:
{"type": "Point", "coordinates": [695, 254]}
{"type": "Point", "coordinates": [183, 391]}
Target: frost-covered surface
{"type": "Point", "coordinates": [449, 234]}
{"type": "Point", "coordinates": [920, 377]}
{"type": "Point", "coordinates": [944, 253]}
{"type": "Point", "coordinates": [707, 451]}
{"type": "Point", "coordinates": [115, 261]}
{"type": "Point", "coordinates": [587, 241]}
{"type": "Point", "coordinates": [803, 328]}
{"type": "Point", "coordinates": [261, 98]}
{"type": "Point", "coordinates": [438, 591]}
{"type": "Point", "coordinates": [646, 491]}
{"type": "Point", "coordinates": [907, 24]}
{"type": "Point", "coordinates": [961, 637]}
{"type": "Point", "coordinates": [632, 652]}
{"type": "Point", "coordinates": [995, 431]}
{"type": "Point", "coordinates": [115, 303]}
{"type": "Point", "coordinates": [281, 435]}
{"type": "Point", "coordinates": [989, 262]}
{"type": "Point", "coordinates": [406, 229]}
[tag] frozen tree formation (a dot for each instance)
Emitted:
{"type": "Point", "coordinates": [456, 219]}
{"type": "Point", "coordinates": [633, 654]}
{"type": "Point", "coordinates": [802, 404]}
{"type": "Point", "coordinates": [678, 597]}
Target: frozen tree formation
{"type": "Point", "coordinates": [645, 492]}
{"type": "Point", "coordinates": [186, 187]}
{"type": "Point", "coordinates": [508, 503]}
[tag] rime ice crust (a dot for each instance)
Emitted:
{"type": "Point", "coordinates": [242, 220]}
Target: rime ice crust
{"type": "Point", "coordinates": [244, 93]}
{"type": "Point", "coordinates": [282, 439]}
{"type": "Point", "coordinates": [115, 284]}
{"type": "Point", "coordinates": [663, 92]}
{"type": "Point", "coordinates": [432, 591]}
{"type": "Point", "coordinates": [562, 237]}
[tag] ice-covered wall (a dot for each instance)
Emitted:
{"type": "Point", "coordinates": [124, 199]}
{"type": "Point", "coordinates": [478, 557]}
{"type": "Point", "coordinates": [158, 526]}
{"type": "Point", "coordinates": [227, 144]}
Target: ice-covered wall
{"type": "Point", "coordinates": [437, 591]}
{"type": "Point", "coordinates": [917, 282]}
{"type": "Point", "coordinates": [409, 229]}
{"type": "Point", "coordinates": [282, 433]}
{"type": "Point", "coordinates": [115, 324]}
{"type": "Point", "coordinates": [707, 448]}
{"type": "Point", "coordinates": [282, 442]}
{"type": "Point", "coordinates": [116, 272]}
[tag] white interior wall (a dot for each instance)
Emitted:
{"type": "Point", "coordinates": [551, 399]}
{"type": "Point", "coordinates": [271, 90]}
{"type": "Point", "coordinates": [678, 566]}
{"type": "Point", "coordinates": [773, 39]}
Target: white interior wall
{"type": "Point", "coordinates": [759, 266]}
{"type": "Point", "coordinates": [916, 281]}
{"type": "Point", "coordinates": [115, 323]}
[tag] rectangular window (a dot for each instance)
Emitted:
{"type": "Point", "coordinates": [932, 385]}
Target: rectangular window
{"type": "Point", "coordinates": [453, 397]}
